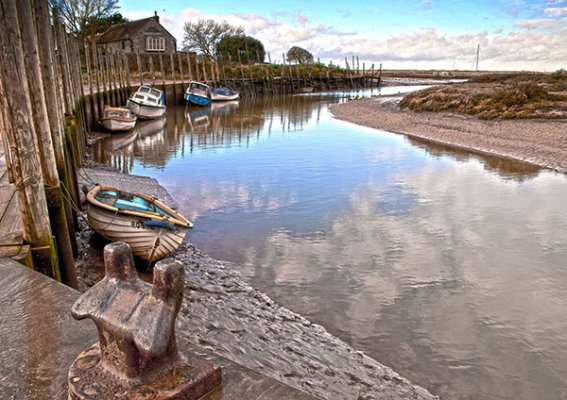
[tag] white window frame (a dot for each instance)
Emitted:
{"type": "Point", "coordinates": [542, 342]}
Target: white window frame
{"type": "Point", "coordinates": [155, 43]}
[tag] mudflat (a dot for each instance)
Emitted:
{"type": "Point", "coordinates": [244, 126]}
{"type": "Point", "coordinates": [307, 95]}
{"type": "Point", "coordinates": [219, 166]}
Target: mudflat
{"type": "Point", "coordinates": [541, 142]}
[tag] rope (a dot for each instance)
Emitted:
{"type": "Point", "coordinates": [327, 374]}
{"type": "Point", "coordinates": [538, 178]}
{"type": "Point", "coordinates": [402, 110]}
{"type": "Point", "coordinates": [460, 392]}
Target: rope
{"type": "Point", "coordinates": [86, 177]}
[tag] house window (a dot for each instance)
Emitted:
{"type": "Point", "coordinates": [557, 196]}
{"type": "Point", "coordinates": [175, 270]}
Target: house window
{"type": "Point", "coordinates": [155, 43]}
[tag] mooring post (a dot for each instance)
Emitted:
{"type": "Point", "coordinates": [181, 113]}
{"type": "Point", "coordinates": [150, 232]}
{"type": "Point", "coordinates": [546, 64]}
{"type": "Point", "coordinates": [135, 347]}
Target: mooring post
{"type": "Point", "coordinates": [22, 136]}
{"type": "Point", "coordinates": [183, 80]}
{"type": "Point", "coordinates": [137, 354]}
{"type": "Point", "coordinates": [189, 66]}
{"type": "Point", "coordinates": [45, 145]}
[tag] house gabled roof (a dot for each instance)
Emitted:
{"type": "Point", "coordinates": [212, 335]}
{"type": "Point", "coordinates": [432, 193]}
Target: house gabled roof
{"type": "Point", "coordinates": [126, 30]}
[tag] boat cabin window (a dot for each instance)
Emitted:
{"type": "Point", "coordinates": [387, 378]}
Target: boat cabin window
{"type": "Point", "coordinates": [139, 96]}
{"type": "Point", "coordinates": [155, 93]}
{"type": "Point", "coordinates": [144, 89]}
{"type": "Point", "coordinates": [151, 100]}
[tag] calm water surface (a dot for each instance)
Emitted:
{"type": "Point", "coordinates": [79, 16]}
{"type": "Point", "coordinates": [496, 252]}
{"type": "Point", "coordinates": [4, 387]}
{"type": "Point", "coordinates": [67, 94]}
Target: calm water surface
{"type": "Point", "coordinates": [447, 266]}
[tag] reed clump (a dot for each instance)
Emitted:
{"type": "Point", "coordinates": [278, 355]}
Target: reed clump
{"type": "Point", "coordinates": [503, 96]}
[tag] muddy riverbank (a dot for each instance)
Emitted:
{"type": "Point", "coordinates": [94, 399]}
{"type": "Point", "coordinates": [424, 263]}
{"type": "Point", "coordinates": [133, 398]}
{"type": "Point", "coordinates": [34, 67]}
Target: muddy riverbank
{"type": "Point", "coordinates": [538, 142]}
{"type": "Point", "coordinates": [223, 314]}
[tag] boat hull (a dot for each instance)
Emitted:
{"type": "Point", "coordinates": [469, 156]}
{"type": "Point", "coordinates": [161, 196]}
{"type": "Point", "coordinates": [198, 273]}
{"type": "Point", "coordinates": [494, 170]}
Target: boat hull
{"type": "Point", "coordinates": [150, 243]}
{"type": "Point", "coordinates": [197, 100]}
{"type": "Point", "coordinates": [144, 111]}
{"type": "Point", "coordinates": [118, 126]}
{"type": "Point", "coordinates": [222, 97]}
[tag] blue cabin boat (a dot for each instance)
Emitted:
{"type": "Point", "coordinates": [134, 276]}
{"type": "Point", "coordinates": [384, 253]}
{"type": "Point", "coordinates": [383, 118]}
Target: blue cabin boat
{"type": "Point", "coordinates": [198, 93]}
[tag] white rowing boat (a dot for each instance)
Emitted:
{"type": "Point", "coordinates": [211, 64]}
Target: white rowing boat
{"type": "Point", "coordinates": [152, 229]}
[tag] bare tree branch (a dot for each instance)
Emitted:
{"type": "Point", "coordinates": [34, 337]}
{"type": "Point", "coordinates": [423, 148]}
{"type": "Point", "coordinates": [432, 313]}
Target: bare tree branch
{"type": "Point", "coordinates": [77, 13]}
{"type": "Point", "coordinates": [202, 36]}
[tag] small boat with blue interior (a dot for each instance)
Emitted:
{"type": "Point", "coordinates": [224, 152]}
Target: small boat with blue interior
{"type": "Point", "coordinates": [147, 103]}
{"type": "Point", "coordinates": [224, 94]}
{"type": "Point", "coordinates": [117, 119]}
{"type": "Point", "coordinates": [152, 229]}
{"type": "Point", "coordinates": [198, 93]}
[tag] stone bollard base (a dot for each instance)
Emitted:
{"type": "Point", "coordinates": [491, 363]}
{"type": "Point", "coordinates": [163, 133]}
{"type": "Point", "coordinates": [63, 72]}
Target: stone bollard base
{"type": "Point", "coordinates": [190, 380]}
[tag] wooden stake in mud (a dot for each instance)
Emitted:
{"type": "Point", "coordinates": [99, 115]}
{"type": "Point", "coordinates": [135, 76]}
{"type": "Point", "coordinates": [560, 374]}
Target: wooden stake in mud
{"type": "Point", "coordinates": [139, 62]}
{"type": "Point", "coordinates": [189, 66]}
{"type": "Point", "coordinates": [126, 62]}
{"type": "Point", "coordinates": [152, 71]}
{"type": "Point", "coordinates": [162, 72]}
{"type": "Point", "coordinates": [180, 62]}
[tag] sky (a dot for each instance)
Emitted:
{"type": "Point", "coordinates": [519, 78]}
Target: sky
{"type": "Point", "coordinates": [515, 35]}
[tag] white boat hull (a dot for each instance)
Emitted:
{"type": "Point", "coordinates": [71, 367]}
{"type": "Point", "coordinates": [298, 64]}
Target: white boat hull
{"type": "Point", "coordinates": [118, 126]}
{"type": "Point", "coordinates": [147, 242]}
{"type": "Point", "coordinates": [222, 97]}
{"type": "Point", "coordinates": [145, 111]}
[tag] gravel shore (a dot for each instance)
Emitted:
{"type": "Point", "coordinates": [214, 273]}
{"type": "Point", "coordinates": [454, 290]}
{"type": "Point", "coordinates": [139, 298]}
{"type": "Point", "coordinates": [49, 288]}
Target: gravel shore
{"type": "Point", "coordinates": [538, 142]}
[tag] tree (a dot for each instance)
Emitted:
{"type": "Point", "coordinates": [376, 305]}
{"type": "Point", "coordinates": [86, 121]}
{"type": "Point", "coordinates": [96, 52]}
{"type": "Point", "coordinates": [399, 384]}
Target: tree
{"type": "Point", "coordinates": [249, 49]}
{"type": "Point", "coordinates": [204, 35]}
{"type": "Point", "coordinates": [299, 55]}
{"type": "Point", "coordinates": [77, 13]}
{"type": "Point", "coordinates": [100, 25]}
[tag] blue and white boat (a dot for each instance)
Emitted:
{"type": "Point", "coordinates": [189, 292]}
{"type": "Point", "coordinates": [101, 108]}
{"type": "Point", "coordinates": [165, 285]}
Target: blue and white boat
{"type": "Point", "coordinates": [224, 94]}
{"type": "Point", "coordinates": [198, 93]}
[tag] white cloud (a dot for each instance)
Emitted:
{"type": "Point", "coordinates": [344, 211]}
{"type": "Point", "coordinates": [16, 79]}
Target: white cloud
{"type": "Point", "coordinates": [556, 11]}
{"type": "Point", "coordinates": [533, 44]}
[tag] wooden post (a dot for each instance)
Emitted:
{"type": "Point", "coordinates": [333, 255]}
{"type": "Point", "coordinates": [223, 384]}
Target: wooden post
{"type": "Point", "coordinates": [172, 63]}
{"type": "Point", "coordinates": [48, 66]}
{"type": "Point", "coordinates": [27, 169]}
{"type": "Point", "coordinates": [181, 71]}
{"type": "Point", "coordinates": [217, 70]}
{"type": "Point", "coordinates": [152, 71]}
{"type": "Point", "coordinates": [189, 66]}
{"type": "Point", "coordinates": [89, 77]}
{"type": "Point", "coordinates": [139, 62]}
{"type": "Point", "coordinates": [162, 72]}
{"type": "Point", "coordinates": [126, 61]}
{"type": "Point", "coordinates": [105, 86]}
{"type": "Point", "coordinates": [99, 89]}
{"type": "Point", "coordinates": [62, 64]}
{"type": "Point", "coordinates": [241, 69]}
{"type": "Point", "coordinates": [45, 144]}
{"type": "Point", "coordinates": [203, 64]}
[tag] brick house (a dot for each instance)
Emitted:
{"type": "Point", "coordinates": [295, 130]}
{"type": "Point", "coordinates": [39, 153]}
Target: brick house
{"type": "Point", "coordinates": [144, 35]}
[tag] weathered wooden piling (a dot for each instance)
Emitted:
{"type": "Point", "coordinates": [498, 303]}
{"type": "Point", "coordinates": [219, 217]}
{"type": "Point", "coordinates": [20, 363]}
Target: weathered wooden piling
{"type": "Point", "coordinates": [45, 144]}
{"type": "Point", "coordinates": [25, 157]}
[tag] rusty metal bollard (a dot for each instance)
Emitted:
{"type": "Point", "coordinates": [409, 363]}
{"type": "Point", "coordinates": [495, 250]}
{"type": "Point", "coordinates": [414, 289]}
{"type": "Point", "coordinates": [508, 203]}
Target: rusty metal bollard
{"type": "Point", "coordinates": [137, 355]}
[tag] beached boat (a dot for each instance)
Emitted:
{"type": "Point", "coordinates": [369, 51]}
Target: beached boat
{"type": "Point", "coordinates": [152, 229]}
{"type": "Point", "coordinates": [117, 119]}
{"type": "Point", "coordinates": [147, 103]}
{"type": "Point", "coordinates": [224, 94]}
{"type": "Point", "coordinates": [198, 93]}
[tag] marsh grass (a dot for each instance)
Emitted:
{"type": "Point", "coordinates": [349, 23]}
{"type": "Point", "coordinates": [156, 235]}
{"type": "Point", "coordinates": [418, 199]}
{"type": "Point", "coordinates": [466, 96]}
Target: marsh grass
{"type": "Point", "coordinates": [510, 96]}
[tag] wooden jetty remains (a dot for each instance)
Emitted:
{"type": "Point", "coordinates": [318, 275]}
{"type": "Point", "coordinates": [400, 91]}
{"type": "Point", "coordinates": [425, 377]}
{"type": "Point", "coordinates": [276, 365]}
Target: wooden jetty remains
{"type": "Point", "coordinates": [53, 89]}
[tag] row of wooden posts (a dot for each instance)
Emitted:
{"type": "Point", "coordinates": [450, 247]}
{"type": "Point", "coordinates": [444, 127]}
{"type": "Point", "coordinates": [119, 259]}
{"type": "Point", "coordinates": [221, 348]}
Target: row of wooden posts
{"type": "Point", "coordinates": [110, 77]}
{"type": "Point", "coordinates": [43, 130]}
